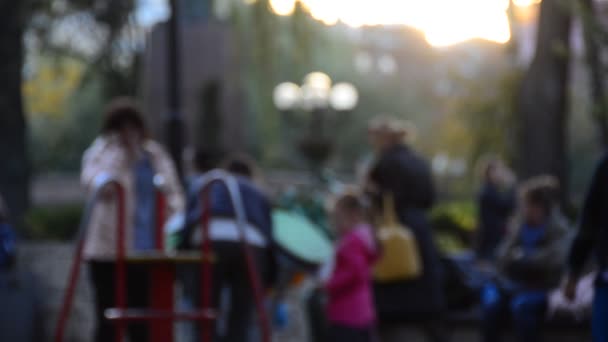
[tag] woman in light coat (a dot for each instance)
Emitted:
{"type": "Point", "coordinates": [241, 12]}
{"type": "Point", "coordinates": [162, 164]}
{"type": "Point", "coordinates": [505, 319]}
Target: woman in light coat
{"type": "Point", "coordinates": [124, 152]}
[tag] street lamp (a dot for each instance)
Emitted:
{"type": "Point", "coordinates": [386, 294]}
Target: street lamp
{"type": "Point", "coordinates": [316, 96]}
{"type": "Point", "coordinates": [344, 97]}
{"type": "Point", "coordinates": [175, 120]}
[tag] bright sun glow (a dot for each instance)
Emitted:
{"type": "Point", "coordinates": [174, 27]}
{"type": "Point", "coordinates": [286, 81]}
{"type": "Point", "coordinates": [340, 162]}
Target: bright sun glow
{"type": "Point", "coordinates": [444, 22]}
{"type": "Point", "coordinates": [524, 3]}
{"type": "Point", "coordinates": [283, 7]}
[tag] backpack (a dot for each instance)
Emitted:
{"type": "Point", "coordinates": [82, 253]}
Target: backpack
{"type": "Point", "coordinates": [400, 258]}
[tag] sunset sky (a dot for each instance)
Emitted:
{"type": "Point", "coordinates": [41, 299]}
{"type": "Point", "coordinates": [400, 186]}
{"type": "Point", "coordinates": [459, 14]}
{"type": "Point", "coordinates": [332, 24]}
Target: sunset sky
{"type": "Point", "coordinates": [444, 22]}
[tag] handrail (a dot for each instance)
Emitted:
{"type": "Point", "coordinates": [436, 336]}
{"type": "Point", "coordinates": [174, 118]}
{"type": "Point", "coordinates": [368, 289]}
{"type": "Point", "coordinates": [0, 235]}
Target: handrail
{"type": "Point", "coordinates": [101, 183]}
{"type": "Point", "coordinates": [231, 184]}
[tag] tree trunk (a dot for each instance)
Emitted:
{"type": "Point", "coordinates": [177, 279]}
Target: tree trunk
{"type": "Point", "coordinates": [14, 169]}
{"type": "Point", "coordinates": [542, 103]}
{"type": "Point", "coordinates": [599, 110]}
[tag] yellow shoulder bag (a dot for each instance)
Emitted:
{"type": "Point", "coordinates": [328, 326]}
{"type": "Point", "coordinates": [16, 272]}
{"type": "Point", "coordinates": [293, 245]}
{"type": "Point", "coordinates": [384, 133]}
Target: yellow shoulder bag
{"type": "Point", "coordinates": [400, 258]}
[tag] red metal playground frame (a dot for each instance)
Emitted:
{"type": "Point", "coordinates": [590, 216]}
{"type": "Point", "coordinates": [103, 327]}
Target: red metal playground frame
{"type": "Point", "coordinates": [162, 311]}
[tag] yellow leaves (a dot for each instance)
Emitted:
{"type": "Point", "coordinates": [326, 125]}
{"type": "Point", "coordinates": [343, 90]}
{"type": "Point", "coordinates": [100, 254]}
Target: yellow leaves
{"type": "Point", "coordinates": [48, 89]}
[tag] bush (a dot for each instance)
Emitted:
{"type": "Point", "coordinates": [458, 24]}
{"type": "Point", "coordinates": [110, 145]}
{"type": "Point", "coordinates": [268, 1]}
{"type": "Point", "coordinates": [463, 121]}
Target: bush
{"type": "Point", "coordinates": [53, 222]}
{"type": "Point", "coordinates": [454, 224]}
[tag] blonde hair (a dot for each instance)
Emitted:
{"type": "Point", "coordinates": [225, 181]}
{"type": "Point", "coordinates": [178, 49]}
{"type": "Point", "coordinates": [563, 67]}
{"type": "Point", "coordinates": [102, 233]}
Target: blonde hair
{"type": "Point", "coordinates": [400, 129]}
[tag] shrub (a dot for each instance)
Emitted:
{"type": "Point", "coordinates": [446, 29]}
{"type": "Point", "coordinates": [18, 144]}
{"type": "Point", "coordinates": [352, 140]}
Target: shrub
{"type": "Point", "coordinates": [454, 224]}
{"type": "Point", "coordinates": [53, 222]}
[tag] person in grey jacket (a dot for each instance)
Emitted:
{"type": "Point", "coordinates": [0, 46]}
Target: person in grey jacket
{"type": "Point", "coordinates": [530, 263]}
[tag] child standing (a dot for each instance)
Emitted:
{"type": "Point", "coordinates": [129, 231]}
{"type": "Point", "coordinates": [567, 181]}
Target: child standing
{"type": "Point", "coordinates": [350, 308]}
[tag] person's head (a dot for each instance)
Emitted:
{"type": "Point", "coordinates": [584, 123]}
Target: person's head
{"type": "Point", "coordinates": [490, 169]}
{"type": "Point", "coordinates": [349, 210]}
{"type": "Point", "coordinates": [385, 132]}
{"type": "Point", "coordinates": [241, 165]}
{"type": "Point", "coordinates": [539, 198]}
{"type": "Point", "coordinates": [123, 118]}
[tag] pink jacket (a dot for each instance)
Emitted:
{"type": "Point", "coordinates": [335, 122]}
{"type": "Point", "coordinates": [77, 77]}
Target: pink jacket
{"type": "Point", "coordinates": [349, 288]}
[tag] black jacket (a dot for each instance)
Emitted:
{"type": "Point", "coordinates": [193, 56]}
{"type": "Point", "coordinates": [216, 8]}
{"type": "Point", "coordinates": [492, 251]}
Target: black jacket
{"type": "Point", "coordinates": [406, 175]}
{"type": "Point", "coordinates": [495, 208]}
{"type": "Point", "coordinates": [593, 227]}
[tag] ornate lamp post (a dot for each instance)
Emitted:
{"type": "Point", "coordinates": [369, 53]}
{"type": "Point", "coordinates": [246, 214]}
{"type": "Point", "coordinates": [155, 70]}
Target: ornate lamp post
{"type": "Point", "coordinates": [317, 97]}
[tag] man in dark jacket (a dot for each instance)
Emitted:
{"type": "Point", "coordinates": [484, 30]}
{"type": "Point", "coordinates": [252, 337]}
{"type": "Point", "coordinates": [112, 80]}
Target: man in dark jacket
{"type": "Point", "coordinates": [593, 236]}
{"type": "Point", "coordinates": [401, 172]}
{"type": "Point", "coordinates": [230, 269]}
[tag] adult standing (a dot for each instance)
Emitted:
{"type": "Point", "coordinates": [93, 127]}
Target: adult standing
{"type": "Point", "coordinates": [230, 271]}
{"type": "Point", "coordinates": [402, 173]}
{"type": "Point", "coordinates": [593, 236]}
{"type": "Point", "coordinates": [496, 204]}
{"type": "Point", "coordinates": [124, 152]}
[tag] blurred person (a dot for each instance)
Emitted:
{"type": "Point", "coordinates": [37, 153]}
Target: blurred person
{"type": "Point", "coordinates": [530, 262]}
{"type": "Point", "coordinates": [230, 270]}
{"type": "Point", "coordinates": [124, 152]}
{"type": "Point", "coordinates": [496, 202]}
{"type": "Point", "coordinates": [8, 252]}
{"type": "Point", "coordinates": [401, 172]}
{"type": "Point", "coordinates": [350, 308]}
{"type": "Point", "coordinates": [203, 162]}
{"type": "Point", "coordinates": [592, 235]}
{"type": "Point", "coordinates": [21, 309]}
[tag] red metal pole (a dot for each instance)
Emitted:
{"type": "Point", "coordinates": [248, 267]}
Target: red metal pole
{"type": "Point", "coordinates": [258, 294]}
{"type": "Point", "coordinates": [161, 209]}
{"type": "Point", "coordinates": [121, 272]}
{"type": "Point", "coordinates": [206, 271]}
{"type": "Point", "coordinates": [69, 295]}
{"type": "Point", "coordinates": [162, 276]}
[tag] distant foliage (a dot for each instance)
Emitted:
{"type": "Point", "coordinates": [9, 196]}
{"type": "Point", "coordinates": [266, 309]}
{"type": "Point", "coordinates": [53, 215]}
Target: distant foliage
{"type": "Point", "coordinates": [58, 141]}
{"type": "Point", "coordinates": [53, 223]}
{"type": "Point", "coordinates": [49, 86]}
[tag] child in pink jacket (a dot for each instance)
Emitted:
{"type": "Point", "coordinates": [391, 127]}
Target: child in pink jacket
{"type": "Point", "coordinates": [350, 308]}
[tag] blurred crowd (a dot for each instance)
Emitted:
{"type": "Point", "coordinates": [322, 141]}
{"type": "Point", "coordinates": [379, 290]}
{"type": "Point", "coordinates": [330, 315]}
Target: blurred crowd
{"type": "Point", "coordinates": [386, 269]}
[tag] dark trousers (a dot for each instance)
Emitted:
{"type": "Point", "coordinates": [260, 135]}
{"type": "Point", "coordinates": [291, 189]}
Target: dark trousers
{"type": "Point", "coordinates": [525, 308]}
{"type": "Point", "coordinates": [230, 274]}
{"type": "Point", "coordinates": [341, 333]}
{"type": "Point", "coordinates": [102, 276]}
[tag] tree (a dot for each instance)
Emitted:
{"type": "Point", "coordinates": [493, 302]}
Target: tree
{"type": "Point", "coordinates": [14, 169]}
{"type": "Point", "coordinates": [39, 17]}
{"type": "Point", "coordinates": [599, 108]}
{"type": "Point", "coordinates": [542, 103]}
